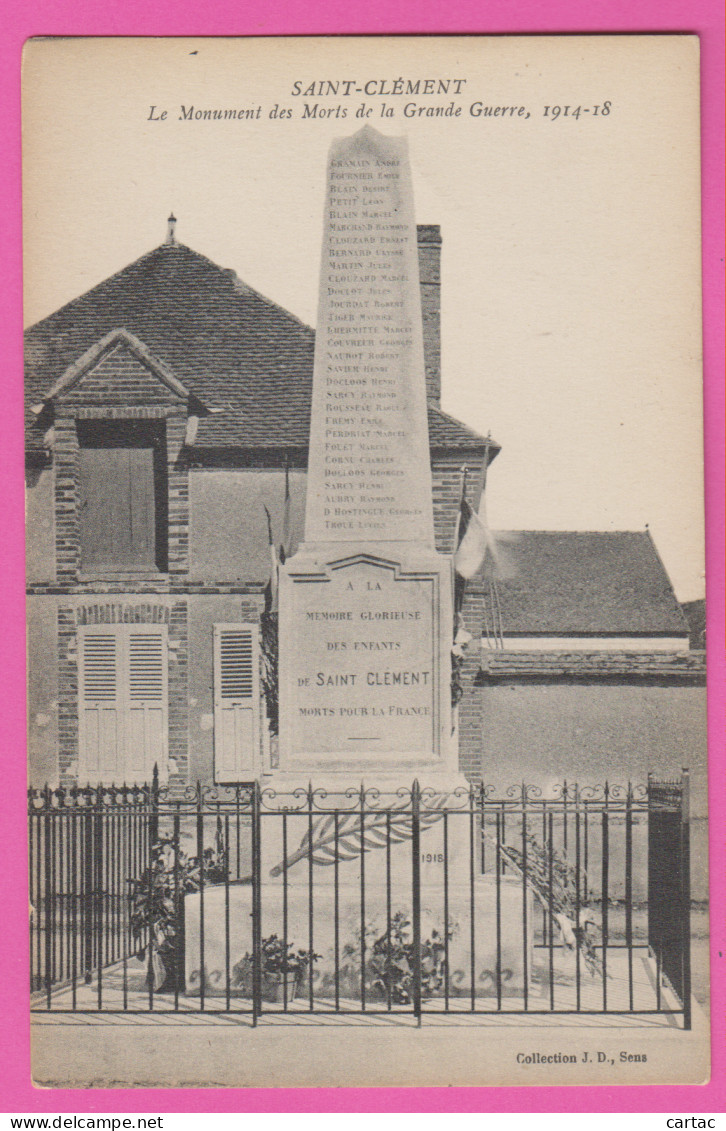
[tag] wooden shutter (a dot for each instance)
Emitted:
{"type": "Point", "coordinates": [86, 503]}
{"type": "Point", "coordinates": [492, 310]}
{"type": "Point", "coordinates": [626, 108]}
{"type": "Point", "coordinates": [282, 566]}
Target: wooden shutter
{"type": "Point", "coordinates": [236, 701]}
{"type": "Point", "coordinates": [117, 511]}
{"type": "Point", "coordinates": [101, 699]}
{"type": "Point", "coordinates": [147, 700]}
{"type": "Point", "coordinates": [123, 702]}
{"type": "Point", "coordinates": [142, 521]}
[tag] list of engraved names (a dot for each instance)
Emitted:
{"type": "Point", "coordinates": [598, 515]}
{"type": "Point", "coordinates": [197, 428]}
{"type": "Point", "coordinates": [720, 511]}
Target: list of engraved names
{"type": "Point", "coordinates": [369, 354]}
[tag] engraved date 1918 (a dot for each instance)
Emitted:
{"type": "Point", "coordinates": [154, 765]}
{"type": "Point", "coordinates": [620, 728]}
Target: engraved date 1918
{"type": "Point", "coordinates": [600, 111]}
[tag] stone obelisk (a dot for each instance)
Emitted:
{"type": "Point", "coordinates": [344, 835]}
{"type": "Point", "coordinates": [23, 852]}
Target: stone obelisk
{"type": "Point", "coordinates": [365, 604]}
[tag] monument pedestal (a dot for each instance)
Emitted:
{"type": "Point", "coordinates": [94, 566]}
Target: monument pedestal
{"type": "Point", "coordinates": [337, 870]}
{"type": "Point", "coordinates": [293, 912]}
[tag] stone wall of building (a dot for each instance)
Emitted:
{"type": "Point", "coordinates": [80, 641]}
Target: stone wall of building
{"type": "Point", "coordinates": [228, 535]}
{"type": "Point", "coordinates": [43, 659]}
{"type": "Point", "coordinates": [544, 732]}
{"type": "Point", "coordinates": [39, 524]}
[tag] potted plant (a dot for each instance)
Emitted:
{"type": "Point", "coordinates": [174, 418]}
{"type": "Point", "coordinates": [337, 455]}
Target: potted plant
{"type": "Point", "coordinates": [391, 964]}
{"type": "Point", "coordinates": [282, 969]}
{"type": "Point", "coordinates": [391, 959]}
{"type": "Point", "coordinates": [157, 905]}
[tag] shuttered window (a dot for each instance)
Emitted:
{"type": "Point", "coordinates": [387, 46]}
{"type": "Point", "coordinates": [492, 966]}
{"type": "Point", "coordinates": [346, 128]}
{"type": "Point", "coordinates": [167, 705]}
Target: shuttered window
{"type": "Point", "coordinates": [236, 702]}
{"type": "Point", "coordinates": [122, 497]}
{"type": "Point", "coordinates": [122, 672]}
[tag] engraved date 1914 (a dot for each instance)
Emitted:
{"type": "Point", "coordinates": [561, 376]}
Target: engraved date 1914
{"type": "Point", "coordinates": [600, 111]}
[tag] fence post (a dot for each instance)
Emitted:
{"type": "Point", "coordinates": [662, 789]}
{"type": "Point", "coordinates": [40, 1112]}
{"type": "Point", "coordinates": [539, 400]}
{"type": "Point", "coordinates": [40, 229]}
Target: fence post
{"type": "Point", "coordinates": [686, 895]}
{"type": "Point", "coordinates": [34, 858]}
{"type": "Point", "coordinates": [74, 894]}
{"type": "Point", "coordinates": [153, 836]}
{"type": "Point", "coordinates": [362, 818]}
{"type": "Point", "coordinates": [629, 889]}
{"type": "Point", "coordinates": [416, 897]}
{"type": "Point", "coordinates": [605, 894]}
{"type": "Point", "coordinates": [649, 885]}
{"type": "Point", "coordinates": [99, 892]}
{"type": "Point", "coordinates": [525, 892]}
{"type": "Point", "coordinates": [179, 971]}
{"type": "Point", "coordinates": [472, 913]}
{"type": "Point", "coordinates": [87, 887]}
{"type": "Point", "coordinates": [154, 807]}
{"type": "Point", "coordinates": [31, 889]}
{"type": "Point", "coordinates": [200, 856]}
{"type": "Point", "coordinates": [150, 899]}
{"type": "Point", "coordinates": [48, 903]}
{"type": "Point", "coordinates": [310, 895]}
{"type": "Point", "coordinates": [579, 896]}
{"type": "Point", "coordinates": [256, 905]}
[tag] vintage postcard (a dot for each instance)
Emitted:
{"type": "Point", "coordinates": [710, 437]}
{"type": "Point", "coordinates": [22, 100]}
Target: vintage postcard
{"type": "Point", "coordinates": [365, 561]}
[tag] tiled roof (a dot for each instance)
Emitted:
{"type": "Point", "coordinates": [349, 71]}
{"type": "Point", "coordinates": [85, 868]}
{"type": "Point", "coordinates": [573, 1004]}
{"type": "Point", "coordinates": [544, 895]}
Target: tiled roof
{"type": "Point", "coordinates": [695, 614]}
{"type": "Point", "coordinates": [679, 667]}
{"type": "Point", "coordinates": [580, 583]}
{"type": "Point", "coordinates": [243, 357]}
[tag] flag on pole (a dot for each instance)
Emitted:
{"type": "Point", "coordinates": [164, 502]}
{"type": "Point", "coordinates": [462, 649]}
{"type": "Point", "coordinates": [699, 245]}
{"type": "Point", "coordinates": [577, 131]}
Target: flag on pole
{"type": "Point", "coordinates": [473, 541]}
{"type": "Point", "coordinates": [271, 587]}
{"type": "Point", "coordinates": [285, 545]}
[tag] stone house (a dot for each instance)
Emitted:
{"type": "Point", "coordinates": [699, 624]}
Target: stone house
{"type": "Point", "coordinates": [166, 408]}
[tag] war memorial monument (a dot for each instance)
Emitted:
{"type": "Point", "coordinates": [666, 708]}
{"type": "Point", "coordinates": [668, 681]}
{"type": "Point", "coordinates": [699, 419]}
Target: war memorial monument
{"type": "Point", "coordinates": [365, 636]}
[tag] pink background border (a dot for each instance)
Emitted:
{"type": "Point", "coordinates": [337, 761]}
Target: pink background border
{"type": "Point", "coordinates": [230, 17]}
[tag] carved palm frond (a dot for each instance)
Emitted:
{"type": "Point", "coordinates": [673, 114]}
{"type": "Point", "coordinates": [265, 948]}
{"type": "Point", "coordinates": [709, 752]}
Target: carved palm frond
{"type": "Point", "coordinates": [355, 834]}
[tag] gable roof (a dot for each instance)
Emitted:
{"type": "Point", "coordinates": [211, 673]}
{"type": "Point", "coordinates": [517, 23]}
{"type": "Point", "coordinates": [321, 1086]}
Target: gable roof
{"type": "Point", "coordinates": [583, 583]}
{"type": "Point", "coordinates": [246, 359]}
{"type": "Point", "coordinates": [95, 355]}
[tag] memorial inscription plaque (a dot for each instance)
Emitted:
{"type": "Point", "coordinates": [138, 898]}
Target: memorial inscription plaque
{"type": "Point", "coordinates": [368, 665]}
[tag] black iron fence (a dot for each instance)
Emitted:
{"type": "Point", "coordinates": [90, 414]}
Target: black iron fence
{"type": "Point", "coordinates": [83, 845]}
{"type": "Point", "coordinates": [669, 885]}
{"type": "Point", "coordinates": [240, 900]}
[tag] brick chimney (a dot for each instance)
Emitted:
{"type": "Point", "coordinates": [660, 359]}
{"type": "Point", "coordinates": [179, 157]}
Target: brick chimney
{"type": "Point", "coordinates": [429, 267]}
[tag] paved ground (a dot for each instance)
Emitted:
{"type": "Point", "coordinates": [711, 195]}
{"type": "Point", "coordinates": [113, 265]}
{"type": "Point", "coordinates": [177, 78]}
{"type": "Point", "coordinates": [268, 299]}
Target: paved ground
{"type": "Point", "coordinates": [296, 1048]}
{"type": "Point", "coordinates": [700, 970]}
{"type": "Point", "coordinates": [629, 988]}
{"type": "Point", "coordinates": [219, 1049]}
{"type": "Point", "coordinates": [297, 1051]}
